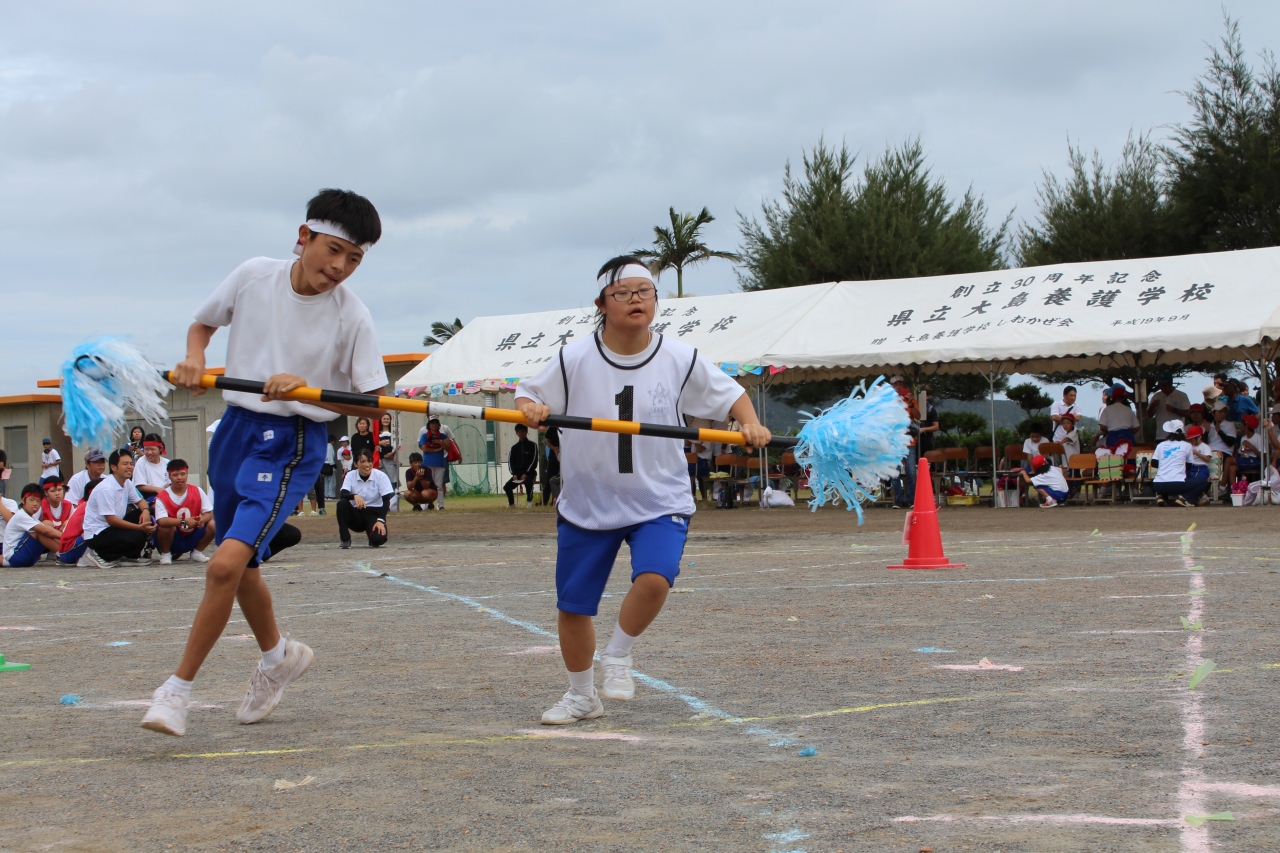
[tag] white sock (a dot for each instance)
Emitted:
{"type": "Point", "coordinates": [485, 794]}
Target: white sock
{"type": "Point", "coordinates": [177, 685]}
{"type": "Point", "coordinates": [620, 645]}
{"type": "Point", "coordinates": [275, 657]}
{"type": "Point", "coordinates": [583, 683]}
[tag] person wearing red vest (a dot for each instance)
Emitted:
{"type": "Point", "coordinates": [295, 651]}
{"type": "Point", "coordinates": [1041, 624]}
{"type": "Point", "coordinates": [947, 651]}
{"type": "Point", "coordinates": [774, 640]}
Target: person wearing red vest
{"type": "Point", "coordinates": [184, 518]}
{"type": "Point", "coordinates": [54, 511]}
{"type": "Point", "coordinates": [71, 549]}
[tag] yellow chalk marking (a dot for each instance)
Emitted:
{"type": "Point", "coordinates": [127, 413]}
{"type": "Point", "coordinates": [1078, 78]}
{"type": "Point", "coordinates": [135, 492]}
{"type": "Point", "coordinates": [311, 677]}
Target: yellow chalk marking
{"type": "Point", "coordinates": [860, 709]}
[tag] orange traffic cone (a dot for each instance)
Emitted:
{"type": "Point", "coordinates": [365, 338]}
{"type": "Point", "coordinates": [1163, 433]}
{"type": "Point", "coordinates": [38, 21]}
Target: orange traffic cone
{"type": "Point", "coordinates": [922, 532]}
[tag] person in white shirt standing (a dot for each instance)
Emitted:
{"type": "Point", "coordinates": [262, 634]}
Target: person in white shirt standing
{"type": "Point", "coordinates": [184, 517]}
{"type": "Point", "coordinates": [109, 534]}
{"type": "Point", "coordinates": [50, 461]}
{"type": "Point", "coordinates": [1167, 404]}
{"type": "Point", "coordinates": [363, 502]}
{"type": "Point", "coordinates": [95, 465]}
{"type": "Point", "coordinates": [1065, 406]}
{"type": "Point", "coordinates": [632, 488]}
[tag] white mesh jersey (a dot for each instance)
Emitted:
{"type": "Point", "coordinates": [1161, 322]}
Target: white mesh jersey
{"type": "Point", "coordinates": [614, 481]}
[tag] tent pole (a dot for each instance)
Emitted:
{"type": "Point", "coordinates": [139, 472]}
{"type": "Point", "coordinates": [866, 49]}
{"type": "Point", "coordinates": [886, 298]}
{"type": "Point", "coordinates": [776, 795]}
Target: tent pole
{"type": "Point", "coordinates": [1264, 417]}
{"type": "Point", "coordinates": [991, 384]}
{"type": "Point", "coordinates": [764, 453]}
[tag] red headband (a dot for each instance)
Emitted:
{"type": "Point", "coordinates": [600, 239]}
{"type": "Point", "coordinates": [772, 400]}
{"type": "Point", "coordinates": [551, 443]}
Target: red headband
{"type": "Point", "coordinates": [52, 485]}
{"type": "Point", "coordinates": [175, 470]}
{"type": "Point", "coordinates": [159, 444]}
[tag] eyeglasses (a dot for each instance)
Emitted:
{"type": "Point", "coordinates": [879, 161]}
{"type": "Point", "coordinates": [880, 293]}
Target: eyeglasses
{"type": "Point", "coordinates": [645, 294]}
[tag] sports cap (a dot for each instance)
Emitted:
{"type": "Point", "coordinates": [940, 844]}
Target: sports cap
{"type": "Point", "coordinates": [46, 441]}
{"type": "Point", "coordinates": [95, 455]}
{"type": "Point", "coordinates": [1194, 431]}
{"type": "Point", "coordinates": [1118, 390]}
{"type": "Point", "coordinates": [1174, 425]}
{"type": "Point", "coordinates": [385, 435]}
{"type": "Point", "coordinates": [1067, 416]}
{"type": "Point", "coordinates": [344, 438]}
{"type": "Point", "coordinates": [1196, 406]}
{"type": "Point", "coordinates": [1037, 461]}
{"type": "Point", "coordinates": [1251, 421]}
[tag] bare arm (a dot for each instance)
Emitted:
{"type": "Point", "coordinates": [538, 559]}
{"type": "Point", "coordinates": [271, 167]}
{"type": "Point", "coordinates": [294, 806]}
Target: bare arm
{"type": "Point", "coordinates": [744, 412]}
{"type": "Point", "coordinates": [188, 372]}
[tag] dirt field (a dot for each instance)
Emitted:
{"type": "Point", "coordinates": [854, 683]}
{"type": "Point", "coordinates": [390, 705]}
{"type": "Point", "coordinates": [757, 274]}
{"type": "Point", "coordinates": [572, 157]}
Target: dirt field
{"type": "Point", "coordinates": [417, 727]}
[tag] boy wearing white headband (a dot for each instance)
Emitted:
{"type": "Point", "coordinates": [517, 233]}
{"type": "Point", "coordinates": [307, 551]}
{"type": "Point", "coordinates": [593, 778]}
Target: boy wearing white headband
{"type": "Point", "coordinates": [618, 488]}
{"type": "Point", "coordinates": [267, 451]}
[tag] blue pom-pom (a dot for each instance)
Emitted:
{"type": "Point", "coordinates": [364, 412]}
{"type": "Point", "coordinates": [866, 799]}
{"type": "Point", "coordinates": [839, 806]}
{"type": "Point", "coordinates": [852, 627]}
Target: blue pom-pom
{"type": "Point", "coordinates": [101, 382]}
{"type": "Point", "coordinates": [849, 448]}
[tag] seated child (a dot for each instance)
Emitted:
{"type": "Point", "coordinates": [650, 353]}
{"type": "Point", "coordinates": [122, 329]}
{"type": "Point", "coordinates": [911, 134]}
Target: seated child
{"type": "Point", "coordinates": [1031, 447]}
{"type": "Point", "coordinates": [26, 539]}
{"type": "Point", "coordinates": [1049, 482]}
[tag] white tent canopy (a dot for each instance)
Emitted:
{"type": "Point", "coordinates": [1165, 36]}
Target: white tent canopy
{"type": "Point", "coordinates": [1187, 308]}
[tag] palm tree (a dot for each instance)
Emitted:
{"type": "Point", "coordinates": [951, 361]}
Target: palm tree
{"type": "Point", "coordinates": [441, 332]}
{"type": "Point", "coordinates": [678, 247]}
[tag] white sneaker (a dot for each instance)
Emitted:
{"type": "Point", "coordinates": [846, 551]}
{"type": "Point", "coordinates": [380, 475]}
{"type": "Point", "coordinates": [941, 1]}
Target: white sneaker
{"type": "Point", "coordinates": [313, 512]}
{"type": "Point", "coordinates": [91, 560]}
{"type": "Point", "coordinates": [168, 713]}
{"type": "Point", "coordinates": [618, 683]}
{"type": "Point", "coordinates": [572, 708]}
{"type": "Point", "coordinates": [166, 559]}
{"type": "Point", "coordinates": [199, 557]}
{"type": "Point", "coordinates": [1048, 503]}
{"type": "Point", "coordinates": [266, 686]}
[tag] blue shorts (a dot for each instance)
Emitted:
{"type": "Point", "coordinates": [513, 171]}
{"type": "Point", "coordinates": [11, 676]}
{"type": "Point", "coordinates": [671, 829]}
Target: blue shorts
{"type": "Point", "coordinates": [72, 556]}
{"type": "Point", "coordinates": [700, 469]}
{"type": "Point", "coordinates": [260, 466]}
{"type": "Point", "coordinates": [584, 558]}
{"type": "Point", "coordinates": [1054, 493]}
{"type": "Point", "coordinates": [28, 551]}
{"type": "Point", "coordinates": [186, 542]}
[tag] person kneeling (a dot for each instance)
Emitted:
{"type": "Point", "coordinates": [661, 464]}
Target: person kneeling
{"type": "Point", "coordinates": [362, 505]}
{"type": "Point", "coordinates": [1172, 458]}
{"type": "Point", "coordinates": [1049, 482]}
{"type": "Point", "coordinates": [184, 518]}
{"type": "Point", "coordinates": [26, 539]}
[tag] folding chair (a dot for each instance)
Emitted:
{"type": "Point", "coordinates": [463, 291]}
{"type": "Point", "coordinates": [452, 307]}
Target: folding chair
{"type": "Point", "coordinates": [1054, 452]}
{"type": "Point", "coordinates": [1110, 473]}
{"type": "Point", "coordinates": [1081, 470]}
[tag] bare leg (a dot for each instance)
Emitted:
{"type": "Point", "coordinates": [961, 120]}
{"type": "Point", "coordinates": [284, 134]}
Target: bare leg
{"type": "Point", "coordinates": [164, 539]}
{"type": "Point", "coordinates": [50, 542]}
{"type": "Point", "coordinates": [222, 578]}
{"type": "Point", "coordinates": [643, 603]}
{"type": "Point", "coordinates": [209, 533]}
{"type": "Point", "coordinates": [255, 604]}
{"type": "Point", "coordinates": [577, 641]}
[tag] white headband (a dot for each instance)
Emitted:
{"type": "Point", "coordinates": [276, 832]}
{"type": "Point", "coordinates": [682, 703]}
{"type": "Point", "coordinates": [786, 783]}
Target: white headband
{"type": "Point", "coordinates": [629, 271]}
{"type": "Point", "coordinates": [333, 229]}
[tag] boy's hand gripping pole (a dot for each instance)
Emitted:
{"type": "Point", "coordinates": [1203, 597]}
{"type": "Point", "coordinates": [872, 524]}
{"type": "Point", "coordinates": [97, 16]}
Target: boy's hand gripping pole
{"type": "Point", "coordinates": [486, 413]}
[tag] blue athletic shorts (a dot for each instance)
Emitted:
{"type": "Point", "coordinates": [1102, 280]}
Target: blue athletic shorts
{"type": "Point", "coordinates": [28, 551]}
{"type": "Point", "coordinates": [260, 466]}
{"type": "Point", "coordinates": [584, 558]}
{"type": "Point", "coordinates": [185, 542]}
{"type": "Point", "coordinates": [73, 556]}
{"type": "Point", "coordinates": [1055, 494]}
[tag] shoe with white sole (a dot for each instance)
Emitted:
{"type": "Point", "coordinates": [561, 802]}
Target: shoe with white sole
{"type": "Point", "coordinates": [1048, 503]}
{"type": "Point", "coordinates": [166, 559]}
{"type": "Point", "coordinates": [573, 707]}
{"type": "Point", "coordinates": [168, 713]}
{"type": "Point", "coordinates": [199, 557]}
{"type": "Point", "coordinates": [267, 684]}
{"type": "Point", "coordinates": [618, 683]}
{"type": "Point", "coordinates": [92, 560]}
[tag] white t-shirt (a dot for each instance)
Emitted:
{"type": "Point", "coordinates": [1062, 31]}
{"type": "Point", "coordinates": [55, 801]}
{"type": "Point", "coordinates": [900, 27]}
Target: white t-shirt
{"type": "Point", "coordinates": [1159, 409]}
{"type": "Point", "coordinates": [1118, 416]}
{"type": "Point", "coordinates": [147, 474]}
{"type": "Point", "coordinates": [1257, 441]}
{"type": "Point", "coordinates": [328, 339]}
{"type": "Point", "coordinates": [1070, 441]}
{"type": "Point", "coordinates": [64, 509]}
{"type": "Point", "coordinates": [46, 457]}
{"type": "Point", "coordinates": [1032, 448]}
{"type": "Point", "coordinates": [1172, 457]}
{"type": "Point", "coordinates": [613, 481]}
{"type": "Point", "coordinates": [371, 490]}
{"type": "Point", "coordinates": [12, 506]}
{"type": "Point", "coordinates": [75, 486]}
{"type": "Point", "coordinates": [1201, 454]}
{"type": "Point", "coordinates": [1060, 408]}
{"type": "Point", "coordinates": [20, 525]}
{"type": "Point", "coordinates": [1051, 479]}
{"type": "Point", "coordinates": [1215, 434]}
{"type": "Point", "coordinates": [109, 498]}
{"type": "Point", "coordinates": [162, 511]}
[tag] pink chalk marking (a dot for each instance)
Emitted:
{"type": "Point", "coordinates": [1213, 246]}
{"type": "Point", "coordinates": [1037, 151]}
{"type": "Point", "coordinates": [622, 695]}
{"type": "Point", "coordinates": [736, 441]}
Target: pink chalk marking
{"type": "Point", "coordinates": [584, 735]}
{"type": "Point", "coordinates": [144, 703]}
{"type": "Point", "coordinates": [1191, 799]}
{"type": "Point", "coordinates": [537, 650]}
{"type": "Point", "coordinates": [1056, 819]}
{"type": "Point", "coordinates": [1153, 631]}
{"type": "Point", "coordinates": [983, 665]}
{"type": "Point", "coordinates": [22, 628]}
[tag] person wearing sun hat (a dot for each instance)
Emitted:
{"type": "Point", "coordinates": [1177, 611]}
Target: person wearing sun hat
{"type": "Point", "coordinates": [1172, 458]}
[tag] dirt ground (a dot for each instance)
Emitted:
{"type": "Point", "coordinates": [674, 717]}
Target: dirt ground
{"type": "Point", "coordinates": [417, 727]}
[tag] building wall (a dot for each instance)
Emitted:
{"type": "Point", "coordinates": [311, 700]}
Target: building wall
{"type": "Point", "coordinates": [33, 422]}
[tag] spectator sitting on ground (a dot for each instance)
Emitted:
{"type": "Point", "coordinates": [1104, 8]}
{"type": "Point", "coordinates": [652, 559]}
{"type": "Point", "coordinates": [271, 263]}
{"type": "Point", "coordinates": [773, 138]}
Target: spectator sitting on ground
{"type": "Point", "coordinates": [184, 518]}
{"type": "Point", "coordinates": [1172, 458]}
{"type": "Point", "coordinates": [1049, 482]}
{"type": "Point", "coordinates": [1065, 406]}
{"type": "Point", "coordinates": [420, 489]}
{"type": "Point", "coordinates": [71, 547]}
{"type": "Point", "coordinates": [54, 510]}
{"type": "Point", "coordinates": [1253, 493]}
{"type": "Point", "coordinates": [522, 460]}
{"type": "Point", "coordinates": [1166, 404]}
{"type": "Point", "coordinates": [151, 472]}
{"type": "Point", "coordinates": [1119, 422]}
{"type": "Point", "coordinates": [362, 505]}
{"type": "Point", "coordinates": [95, 465]}
{"type": "Point", "coordinates": [1066, 435]}
{"type": "Point", "coordinates": [109, 532]}
{"type": "Point", "coordinates": [26, 539]}
{"type": "Point", "coordinates": [50, 461]}
{"type": "Point", "coordinates": [1201, 455]}
{"type": "Point", "coordinates": [1031, 447]}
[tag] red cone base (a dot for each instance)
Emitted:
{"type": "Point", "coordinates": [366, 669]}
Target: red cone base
{"type": "Point", "coordinates": [922, 533]}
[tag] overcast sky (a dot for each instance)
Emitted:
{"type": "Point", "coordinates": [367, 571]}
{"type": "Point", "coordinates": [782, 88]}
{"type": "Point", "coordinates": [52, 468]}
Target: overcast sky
{"type": "Point", "coordinates": [147, 148]}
